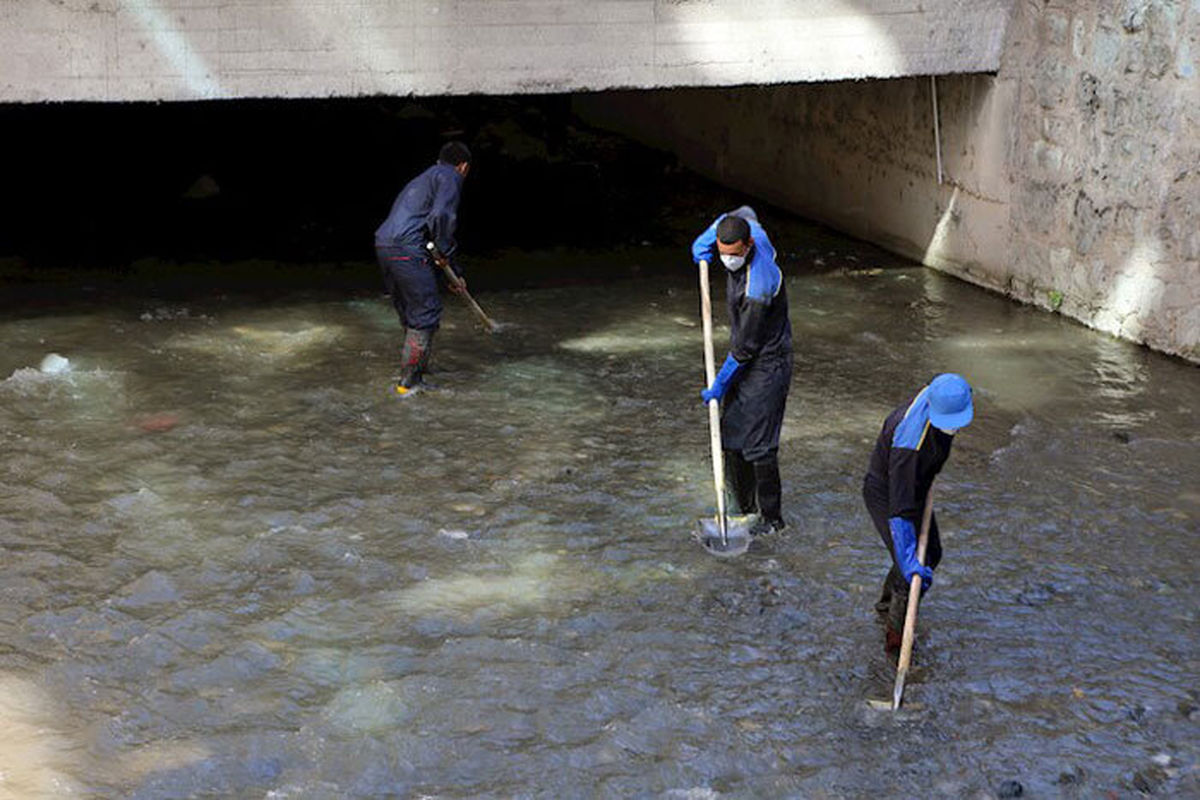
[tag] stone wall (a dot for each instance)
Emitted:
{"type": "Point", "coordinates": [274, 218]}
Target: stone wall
{"type": "Point", "coordinates": [1069, 179]}
{"type": "Point", "coordinates": [1105, 222]}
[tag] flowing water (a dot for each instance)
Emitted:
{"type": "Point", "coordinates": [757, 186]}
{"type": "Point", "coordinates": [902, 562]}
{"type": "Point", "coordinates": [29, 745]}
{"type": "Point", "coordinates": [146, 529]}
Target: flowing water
{"type": "Point", "coordinates": [231, 565]}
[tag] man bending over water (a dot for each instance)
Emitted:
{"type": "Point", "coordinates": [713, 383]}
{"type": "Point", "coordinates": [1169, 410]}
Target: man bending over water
{"type": "Point", "coordinates": [911, 450]}
{"type": "Point", "coordinates": [426, 210]}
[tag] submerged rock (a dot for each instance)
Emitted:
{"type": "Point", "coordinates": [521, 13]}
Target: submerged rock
{"type": "Point", "coordinates": [53, 364]}
{"type": "Point", "coordinates": [1150, 779]}
{"type": "Point", "coordinates": [202, 188]}
{"type": "Point", "coordinates": [152, 589]}
{"type": "Point", "coordinates": [1010, 789]}
{"type": "Point", "coordinates": [157, 423]}
{"type": "Point", "coordinates": [1074, 777]}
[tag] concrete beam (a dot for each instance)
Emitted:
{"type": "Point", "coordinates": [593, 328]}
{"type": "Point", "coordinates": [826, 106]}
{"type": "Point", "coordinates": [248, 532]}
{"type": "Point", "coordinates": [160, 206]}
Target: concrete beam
{"type": "Point", "coordinates": [129, 50]}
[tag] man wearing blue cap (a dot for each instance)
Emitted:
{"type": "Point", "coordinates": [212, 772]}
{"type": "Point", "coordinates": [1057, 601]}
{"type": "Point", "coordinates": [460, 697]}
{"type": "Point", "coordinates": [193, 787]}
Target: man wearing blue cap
{"type": "Point", "coordinates": [911, 450]}
{"type": "Point", "coordinates": [753, 383]}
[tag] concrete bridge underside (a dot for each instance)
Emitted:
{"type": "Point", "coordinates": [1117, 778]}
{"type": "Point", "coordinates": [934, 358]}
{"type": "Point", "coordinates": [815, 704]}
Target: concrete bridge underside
{"type": "Point", "coordinates": [130, 50]}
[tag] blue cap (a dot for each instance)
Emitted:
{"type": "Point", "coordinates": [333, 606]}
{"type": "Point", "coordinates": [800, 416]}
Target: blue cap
{"type": "Point", "coordinates": [950, 401]}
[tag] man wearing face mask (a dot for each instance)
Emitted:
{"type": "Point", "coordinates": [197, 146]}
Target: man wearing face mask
{"type": "Point", "coordinates": [753, 383]}
{"type": "Point", "coordinates": [426, 210]}
{"type": "Point", "coordinates": [911, 450]}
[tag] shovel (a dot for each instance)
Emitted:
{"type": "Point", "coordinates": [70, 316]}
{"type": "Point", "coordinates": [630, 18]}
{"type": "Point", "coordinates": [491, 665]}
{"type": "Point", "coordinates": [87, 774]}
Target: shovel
{"type": "Point", "coordinates": [488, 323]}
{"type": "Point", "coordinates": [724, 536]}
{"type": "Point", "coordinates": [910, 617]}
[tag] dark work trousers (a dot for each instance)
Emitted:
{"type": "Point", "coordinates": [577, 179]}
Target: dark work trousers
{"type": "Point", "coordinates": [739, 477]}
{"type": "Point", "coordinates": [410, 278]}
{"type": "Point", "coordinates": [895, 588]}
{"type": "Point", "coordinates": [752, 413]}
{"type": "Point", "coordinates": [751, 420]}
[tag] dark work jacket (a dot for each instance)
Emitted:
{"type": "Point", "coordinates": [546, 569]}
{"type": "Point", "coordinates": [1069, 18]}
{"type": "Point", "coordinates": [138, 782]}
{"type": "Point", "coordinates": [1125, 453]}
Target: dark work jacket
{"type": "Point", "coordinates": [758, 311]}
{"type": "Point", "coordinates": [909, 454]}
{"type": "Point", "coordinates": [426, 210]}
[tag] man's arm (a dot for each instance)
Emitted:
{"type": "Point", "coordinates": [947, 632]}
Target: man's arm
{"type": "Point", "coordinates": [705, 246]}
{"type": "Point", "coordinates": [443, 217]}
{"type": "Point", "coordinates": [904, 507]}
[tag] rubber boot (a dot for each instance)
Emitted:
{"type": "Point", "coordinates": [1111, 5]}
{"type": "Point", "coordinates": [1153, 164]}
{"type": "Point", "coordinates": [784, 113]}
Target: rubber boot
{"type": "Point", "coordinates": [414, 358]}
{"type": "Point", "coordinates": [770, 495]}
{"type": "Point", "coordinates": [897, 609]}
{"type": "Point", "coordinates": [885, 596]}
{"type": "Point", "coordinates": [739, 476]}
{"type": "Point", "coordinates": [892, 642]}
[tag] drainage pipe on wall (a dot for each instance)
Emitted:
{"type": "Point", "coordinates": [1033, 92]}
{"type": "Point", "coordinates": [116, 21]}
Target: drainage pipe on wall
{"type": "Point", "coordinates": [937, 133]}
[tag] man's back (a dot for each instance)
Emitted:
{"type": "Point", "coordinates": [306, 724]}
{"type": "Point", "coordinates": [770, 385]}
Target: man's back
{"type": "Point", "coordinates": [426, 208]}
{"type": "Point", "coordinates": [908, 454]}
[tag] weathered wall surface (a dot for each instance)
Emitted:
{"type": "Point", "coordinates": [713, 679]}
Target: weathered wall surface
{"type": "Point", "coordinates": [199, 49]}
{"type": "Point", "coordinates": [1071, 179]}
{"type": "Point", "coordinates": [1106, 167]}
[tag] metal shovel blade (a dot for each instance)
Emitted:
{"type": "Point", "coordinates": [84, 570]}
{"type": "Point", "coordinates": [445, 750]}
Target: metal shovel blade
{"type": "Point", "coordinates": [737, 535]}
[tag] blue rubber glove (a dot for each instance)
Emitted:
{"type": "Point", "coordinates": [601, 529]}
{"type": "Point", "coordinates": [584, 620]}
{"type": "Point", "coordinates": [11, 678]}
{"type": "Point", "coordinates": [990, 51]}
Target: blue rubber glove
{"type": "Point", "coordinates": [720, 383]}
{"type": "Point", "coordinates": [904, 543]}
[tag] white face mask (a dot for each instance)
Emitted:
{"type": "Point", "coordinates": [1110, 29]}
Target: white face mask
{"type": "Point", "coordinates": [950, 431]}
{"type": "Point", "coordinates": [733, 263]}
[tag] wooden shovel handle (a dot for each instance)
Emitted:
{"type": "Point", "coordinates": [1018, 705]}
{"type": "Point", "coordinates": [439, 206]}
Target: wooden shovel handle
{"type": "Point", "coordinates": [714, 406]}
{"type": "Point", "coordinates": [455, 280]}
{"type": "Point", "coordinates": [914, 598]}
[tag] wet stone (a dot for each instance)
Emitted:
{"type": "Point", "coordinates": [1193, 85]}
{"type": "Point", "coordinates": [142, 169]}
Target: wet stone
{"type": "Point", "coordinates": [1073, 778]}
{"type": "Point", "coordinates": [1036, 594]}
{"type": "Point", "coordinates": [1150, 780]}
{"type": "Point", "coordinates": [85, 630]}
{"type": "Point", "coordinates": [592, 623]}
{"type": "Point", "coordinates": [154, 650]}
{"type": "Point", "coordinates": [264, 555]}
{"type": "Point", "coordinates": [246, 662]}
{"type": "Point", "coordinates": [432, 626]}
{"type": "Point", "coordinates": [29, 591]}
{"type": "Point", "coordinates": [1009, 789]}
{"type": "Point", "coordinates": [151, 590]}
{"type": "Point", "coordinates": [196, 629]}
{"type": "Point", "coordinates": [374, 707]}
{"type": "Point", "coordinates": [301, 582]}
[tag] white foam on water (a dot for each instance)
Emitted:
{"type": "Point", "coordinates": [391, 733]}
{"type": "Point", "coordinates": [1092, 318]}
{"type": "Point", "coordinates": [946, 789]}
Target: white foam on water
{"type": "Point", "coordinates": [99, 389]}
{"type": "Point", "coordinates": [161, 756]}
{"type": "Point", "coordinates": [259, 345]}
{"type": "Point", "coordinates": [617, 342]}
{"type": "Point", "coordinates": [34, 755]}
{"type": "Point", "coordinates": [531, 582]}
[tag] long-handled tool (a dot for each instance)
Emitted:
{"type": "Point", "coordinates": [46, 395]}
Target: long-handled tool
{"type": "Point", "coordinates": [461, 287]}
{"type": "Point", "coordinates": [725, 536]}
{"type": "Point", "coordinates": [914, 597]}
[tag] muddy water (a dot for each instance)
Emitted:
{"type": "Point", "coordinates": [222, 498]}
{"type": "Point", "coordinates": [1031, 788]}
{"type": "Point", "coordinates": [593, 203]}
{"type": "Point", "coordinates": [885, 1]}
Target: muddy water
{"type": "Point", "coordinates": [231, 565]}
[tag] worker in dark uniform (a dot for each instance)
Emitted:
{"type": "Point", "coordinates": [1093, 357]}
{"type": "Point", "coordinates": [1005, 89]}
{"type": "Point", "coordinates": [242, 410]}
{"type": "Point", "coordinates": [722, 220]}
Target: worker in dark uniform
{"type": "Point", "coordinates": [753, 383]}
{"type": "Point", "coordinates": [911, 450]}
{"type": "Point", "coordinates": [426, 210]}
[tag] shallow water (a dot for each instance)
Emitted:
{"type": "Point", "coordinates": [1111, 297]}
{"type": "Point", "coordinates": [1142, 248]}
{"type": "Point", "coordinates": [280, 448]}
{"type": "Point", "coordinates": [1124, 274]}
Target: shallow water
{"type": "Point", "coordinates": [232, 565]}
